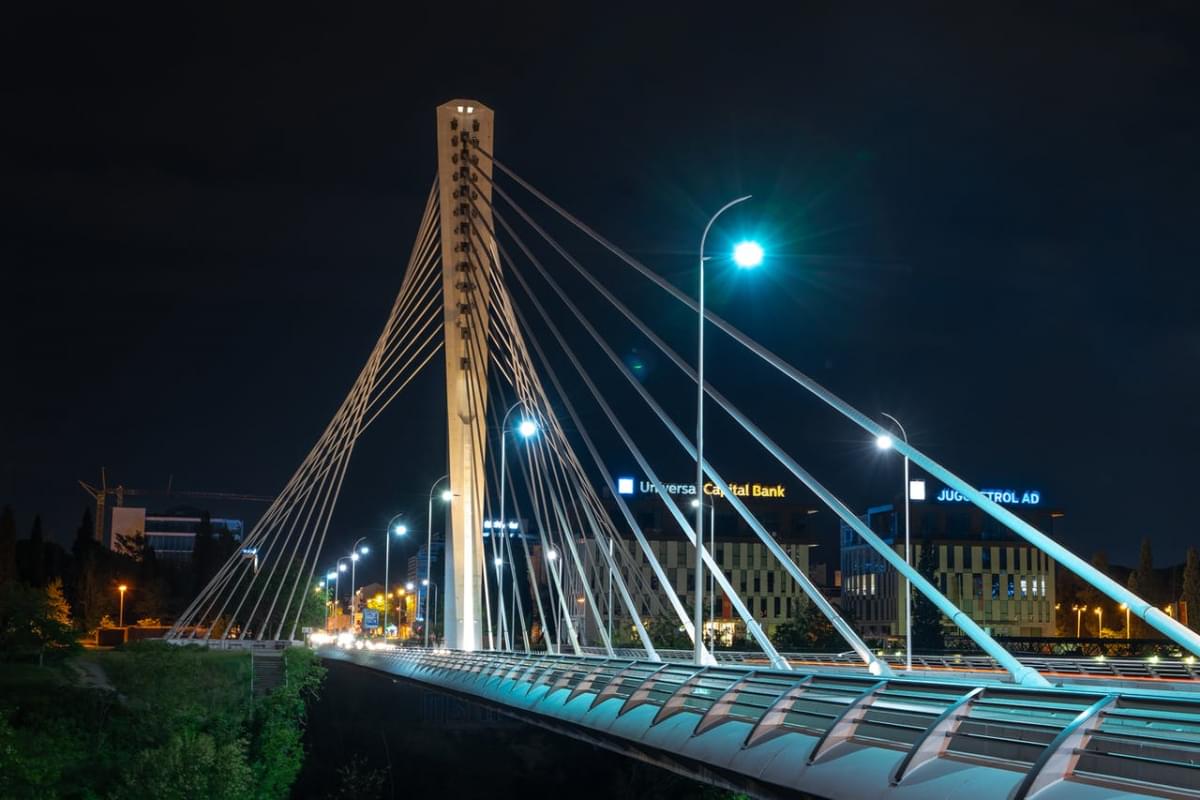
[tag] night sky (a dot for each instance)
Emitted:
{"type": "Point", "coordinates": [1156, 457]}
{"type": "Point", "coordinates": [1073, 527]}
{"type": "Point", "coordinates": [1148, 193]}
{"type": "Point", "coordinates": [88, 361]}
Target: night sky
{"type": "Point", "coordinates": [979, 218]}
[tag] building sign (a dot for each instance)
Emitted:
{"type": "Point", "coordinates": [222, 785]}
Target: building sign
{"type": "Point", "coordinates": [777, 491]}
{"type": "Point", "coordinates": [1007, 497]}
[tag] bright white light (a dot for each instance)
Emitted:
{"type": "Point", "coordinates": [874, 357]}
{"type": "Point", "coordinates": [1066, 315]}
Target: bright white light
{"type": "Point", "coordinates": [447, 495]}
{"type": "Point", "coordinates": [460, 109]}
{"type": "Point", "coordinates": [916, 490]}
{"type": "Point", "coordinates": [400, 530]}
{"type": "Point", "coordinates": [695, 504]}
{"type": "Point", "coordinates": [364, 549]}
{"type": "Point", "coordinates": [487, 524]}
{"type": "Point", "coordinates": [354, 556]}
{"type": "Point", "coordinates": [624, 485]}
{"type": "Point", "coordinates": [341, 567]}
{"type": "Point", "coordinates": [747, 255]}
{"type": "Point", "coordinates": [470, 109]}
{"type": "Point", "coordinates": [512, 526]}
{"type": "Point", "coordinates": [332, 576]}
{"type": "Point", "coordinates": [884, 442]}
{"type": "Point", "coordinates": [425, 581]}
{"type": "Point", "coordinates": [552, 554]}
{"type": "Point", "coordinates": [499, 562]}
{"type": "Point", "coordinates": [408, 586]}
{"type": "Point", "coordinates": [527, 428]}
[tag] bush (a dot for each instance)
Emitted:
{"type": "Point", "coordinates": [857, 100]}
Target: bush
{"type": "Point", "coordinates": [190, 765]}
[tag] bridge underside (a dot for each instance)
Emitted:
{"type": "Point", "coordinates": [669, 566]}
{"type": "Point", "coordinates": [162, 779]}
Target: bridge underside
{"type": "Point", "coordinates": [783, 733]}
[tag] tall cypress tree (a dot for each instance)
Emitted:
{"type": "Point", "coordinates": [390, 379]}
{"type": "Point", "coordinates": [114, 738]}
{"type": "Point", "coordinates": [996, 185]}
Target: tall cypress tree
{"type": "Point", "coordinates": [1191, 588]}
{"type": "Point", "coordinates": [37, 554]}
{"type": "Point", "coordinates": [927, 619]}
{"type": "Point", "coordinates": [8, 545]}
{"type": "Point", "coordinates": [1147, 579]}
{"type": "Point", "coordinates": [84, 534]}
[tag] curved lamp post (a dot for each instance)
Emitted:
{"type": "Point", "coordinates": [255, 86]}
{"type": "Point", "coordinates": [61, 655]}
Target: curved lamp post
{"type": "Point", "coordinates": [527, 428]}
{"type": "Point", "coordinates": [354, 554]}
{"type": "Point", "coordinates": [399, 530]}
{"type": "Point", "coordinates": [884, 442]}
{"type": "Point", "coordinates": [746, 255]}
{"type": "Point", "coordinates": [446, 496]}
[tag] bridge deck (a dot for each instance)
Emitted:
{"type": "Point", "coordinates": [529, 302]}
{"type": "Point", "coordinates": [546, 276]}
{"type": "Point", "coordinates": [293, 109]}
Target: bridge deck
{"type": "Point", "coordinates": [837, 734]}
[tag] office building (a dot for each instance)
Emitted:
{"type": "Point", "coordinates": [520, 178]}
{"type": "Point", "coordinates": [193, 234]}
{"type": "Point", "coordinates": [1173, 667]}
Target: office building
{"type": "Point", "coordinates": [1002, 582]}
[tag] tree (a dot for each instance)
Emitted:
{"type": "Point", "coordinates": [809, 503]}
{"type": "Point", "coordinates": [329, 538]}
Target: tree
{"type": "Point", "coordinates": [1147, 578]}
{"type": "Point", "coordinates": [84, 541]}
{"type": "Point", "coordinates": [36, 555]}
{"type": "Point", "coordinates": [810, 632]}
{"type": "Point", "coordinates": [1191, 588]}
{"type": "Point", "coordinates": [927, 631]}
{"type": "Point", "coordinates": [8, 545]}
{"type": "Point", "coordinates": [190, 764]}
{"type": "Point", "coordinates": [30, 625]}
{"type": "Point", "coordinates": [1134, 625]}
{"type": "Point", "coordinates": [57, 607]}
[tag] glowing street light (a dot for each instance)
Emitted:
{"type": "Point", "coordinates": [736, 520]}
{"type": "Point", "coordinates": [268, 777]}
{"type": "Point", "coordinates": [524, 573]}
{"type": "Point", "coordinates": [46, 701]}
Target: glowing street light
{"type": "Point", "coordinates": [1078, 619]}
{"type": "Point", "coordinates": [1099, 622]}
{"type": "Point", "coordinates": [884, 442]}
{"type": "Point", "coordinates": [446, 496]}
{"type": "Point", "coordinates": [399, 530]}
{"type": "Point", "coordinates": [122, 589]}
{"type": "Point", "coordinates": [354, 554]}
{"type": "Point", "coordinates": [747, 255]}
{"type": "Point", "coordinates": [526, 428]}
{"type": "Point", "coordinates": [1128, 633]}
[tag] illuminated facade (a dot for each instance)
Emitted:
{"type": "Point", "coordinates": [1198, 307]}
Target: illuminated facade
{"type": "Point", "coordinates": [171, 534]}
{"type": "Point", "coordinates": [998, 579]}
{"type": "Point", "coordinates": [767, 589]}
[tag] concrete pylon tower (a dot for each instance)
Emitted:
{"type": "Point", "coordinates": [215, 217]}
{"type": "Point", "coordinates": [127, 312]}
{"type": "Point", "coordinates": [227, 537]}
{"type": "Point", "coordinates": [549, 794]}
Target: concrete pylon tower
{"type": "Point", "coordinates": [465, 198]}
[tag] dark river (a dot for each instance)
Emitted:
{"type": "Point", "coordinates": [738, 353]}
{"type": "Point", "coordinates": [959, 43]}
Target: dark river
{"type": "Point", "coordinates": [371, 737]}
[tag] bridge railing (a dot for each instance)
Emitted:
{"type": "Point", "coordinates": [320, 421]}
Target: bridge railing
{"type": "Point", "coordinates": [1150, 668]}
{"type": "Point", "coordinates": [1142, 743]}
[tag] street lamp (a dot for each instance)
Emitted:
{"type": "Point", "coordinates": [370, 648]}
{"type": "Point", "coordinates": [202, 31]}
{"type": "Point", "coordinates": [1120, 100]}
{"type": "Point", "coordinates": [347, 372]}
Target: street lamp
{"type": "Point", "coordinates": [1128, 633]}
{"type": "Point", "coordinates": [330, 580]}
{"type": "Point", "coordinates": [1099, 622]}
{"type": "Point", "coordinates": [527, 428]}
{"type": "Point", "coordinates": [446, 497]}
{"type": "Point", "coordinates": [1078, 619]}
{"type": "Point", "coordinates": [354, 554]}
{"type": "Point", "coordinates": [122, 589]}
{"type": "Point", "coordinates": [399, 530]}
{"type": "Point", "coordinates": [746, 255]}
{"type": "Point", "coordinates": [884, 442]}
{"type": "Point", "coordinates": [429, 587]}
{"type": "Point", "coordinates": [337, 591]}
{"type": "Point", "coordinates": [712, 593]}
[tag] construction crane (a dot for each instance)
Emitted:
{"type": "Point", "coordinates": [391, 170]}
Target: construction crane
{"type": "Point", "coordinates": [100, 495]}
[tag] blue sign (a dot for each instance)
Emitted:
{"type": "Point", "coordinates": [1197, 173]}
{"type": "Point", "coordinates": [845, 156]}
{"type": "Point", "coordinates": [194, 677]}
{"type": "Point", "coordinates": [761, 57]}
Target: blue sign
{"type": "Point", "coordinates": [370, 618]}
{"type": "Point", "coordinates": [1007, 497]}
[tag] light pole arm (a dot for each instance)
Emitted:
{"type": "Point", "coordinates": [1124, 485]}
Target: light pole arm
{"type": "Point", "coordinates": [698, 620]}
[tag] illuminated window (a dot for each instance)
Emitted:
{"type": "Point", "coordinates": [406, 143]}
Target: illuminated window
{"type": "Point", "coordinates": [1024, 588]}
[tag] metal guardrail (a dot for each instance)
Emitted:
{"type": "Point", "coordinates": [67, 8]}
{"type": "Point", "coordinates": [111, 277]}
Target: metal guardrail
{"type": "Point", "coordinates": [1151, 668]}
{"type": "Point", "coordinates": [840, 735]}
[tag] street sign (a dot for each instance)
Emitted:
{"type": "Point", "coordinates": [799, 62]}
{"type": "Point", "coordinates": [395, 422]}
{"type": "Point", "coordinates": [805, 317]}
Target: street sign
{"type": "Point", "coordinates": [371, 618]}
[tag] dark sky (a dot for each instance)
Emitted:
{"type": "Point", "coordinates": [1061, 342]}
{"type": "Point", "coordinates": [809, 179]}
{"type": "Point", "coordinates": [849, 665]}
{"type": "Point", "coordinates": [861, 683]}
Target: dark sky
{"type": "Point", "coordinates": [981, 218]}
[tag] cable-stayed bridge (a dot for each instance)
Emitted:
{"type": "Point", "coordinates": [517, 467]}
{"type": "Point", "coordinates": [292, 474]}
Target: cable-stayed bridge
{"type": "Point", "coordinates": [501, 298]}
